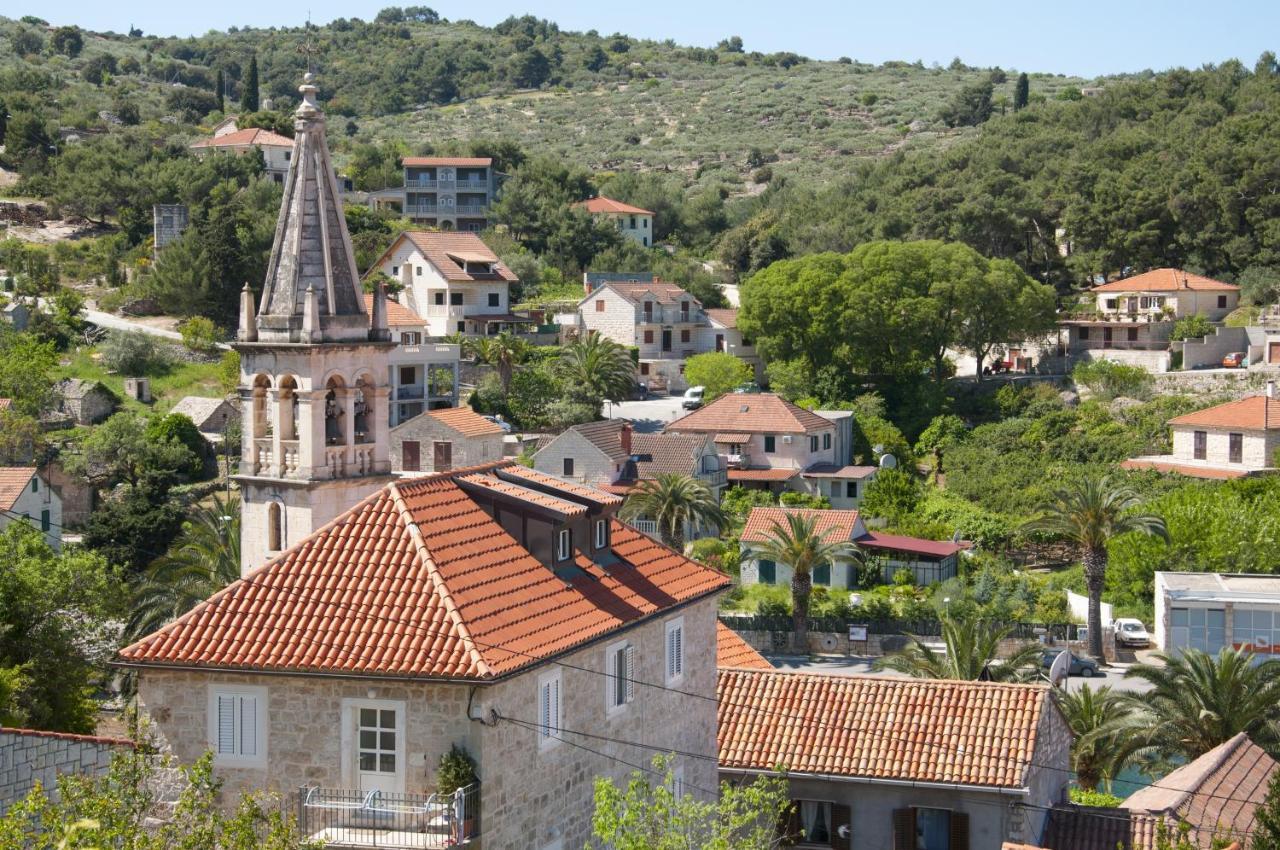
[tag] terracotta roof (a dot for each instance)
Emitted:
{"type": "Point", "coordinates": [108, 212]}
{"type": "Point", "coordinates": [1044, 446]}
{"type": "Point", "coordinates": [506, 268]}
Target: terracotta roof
{"type": "Point", "coordinates": [68, 736]}
{"type": "Point", "coordinates": [636, 290]}
{"type": "Point", "coordinates": [1165, 280]}
{"type": "Point", "coordinates": [397, 314]}
{"type": "Point", "coordinates": [247, 136]}
{"type": "Point", "coordinates": [602, 204]}
{"type": "Point", "coordinates": [831, 524]}
{"type": "Point", "coordinates": [437, 247]}
{"type": "Point", "coordinates": [659, 454]}
{"type": "Point", "coordinates": [569, 489]}
{"type": "Point", "coordinates": [418, 581]}
{"type": "Point", "coordinates": [914, 545]}
{"type": "Point", "coordinates": [830, 470]}
{"type": "Point", "coordinates": [762, 474]}
{"type": "Point", "coordinates": [530, 496]}
{"type": "Point", "coordinates": [911, 730]}
{"type": "Point", "coordinates": [733, 651]}
{"type": "Point", "coordinates": [466, 421]}
{"type": "Point", "coordinates": [1255, 413]}
{"type": "Point", "coordinates": [6, 403]}
{"type": "Point", "coordinates": [1211, 472]}
{"type": "Point", "coordinates": [732, 439]}
{"type": "Point", "coordinates": [455, 161]}
{"type": "Point", "coordinates": [1088, 828]}
{"type": "Point", "coordinates": [751, 413]}
{"type": "Point", "coordinates": [723, 316]}
{"type": "Point", "coordinates": [13, 481]}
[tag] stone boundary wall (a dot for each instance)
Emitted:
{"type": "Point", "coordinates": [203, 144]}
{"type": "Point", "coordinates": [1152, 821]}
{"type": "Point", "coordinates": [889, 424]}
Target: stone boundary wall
{"type": "Point", "coordinates": [1208, 351]}
{"type": "Point", "coordinates": [875, 646]}
{"type": "Point", "coordinates": [28, 756]}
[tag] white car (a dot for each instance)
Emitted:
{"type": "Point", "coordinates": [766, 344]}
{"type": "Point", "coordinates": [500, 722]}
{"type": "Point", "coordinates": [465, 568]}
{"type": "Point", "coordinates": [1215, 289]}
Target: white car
{"type": "Point", "coordinates": [1131, 632]}
{"type": "Point", "coordinates": [693, 398]}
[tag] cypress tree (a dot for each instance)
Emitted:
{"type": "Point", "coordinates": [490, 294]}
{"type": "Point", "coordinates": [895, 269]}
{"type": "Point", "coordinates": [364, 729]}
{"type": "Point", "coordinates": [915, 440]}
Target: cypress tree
{"type": "Point", "coordinates": [222, 90]}
{"type": "Point", "coordinates": [1022, 92]}
{"type": "Point", "coordinates": [249, 97]}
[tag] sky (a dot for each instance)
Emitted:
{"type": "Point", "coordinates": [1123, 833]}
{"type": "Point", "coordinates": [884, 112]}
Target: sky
{"type": "Point", "coordinates": [1080, 37]}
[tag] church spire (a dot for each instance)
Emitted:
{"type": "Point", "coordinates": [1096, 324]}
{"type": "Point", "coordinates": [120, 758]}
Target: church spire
{"type": "Point", "coordinates": [312, 249]}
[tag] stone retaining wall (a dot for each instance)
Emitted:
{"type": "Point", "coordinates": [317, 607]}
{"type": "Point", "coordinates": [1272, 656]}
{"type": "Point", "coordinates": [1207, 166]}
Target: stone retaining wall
{"type": "Point", "coordinates": [28, 756]}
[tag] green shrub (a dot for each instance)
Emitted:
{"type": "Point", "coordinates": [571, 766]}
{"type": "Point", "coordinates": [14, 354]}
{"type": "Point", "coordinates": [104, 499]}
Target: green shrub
{"type": "Point", "coordinates": [179, 427]}
{"type": "Point", "coordinates": [1191, 327]}
{"type": "Point", "coordinates": [1109, 380]}
{"type": "Point", "coordinates": [1098, 799]}
{"type": "Point", "coordinates": [893, 495]}
{"type": "Point", "coordinates": [200, 334]}
{"type": "Point", "coordinates": [457, 770]}
{"type": "Point", "coordinates": [131, 353]}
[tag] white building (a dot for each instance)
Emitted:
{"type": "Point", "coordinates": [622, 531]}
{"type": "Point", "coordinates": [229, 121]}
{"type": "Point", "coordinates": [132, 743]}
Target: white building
{"type": "Point", "coordinates": [1231, 440]}
{"type": "Point", "coordinates": [1209, 611]}
{"type": "Point", "coordinates": [277, 150]}
{"type": "Point", "coordinates": [454, 281]}
{"type": "Point", "coordinates": [423, 375]}
{"type": "Point", "coordinates": [25, 496]}
{"type": "Point", "coordinates": [632, 222]}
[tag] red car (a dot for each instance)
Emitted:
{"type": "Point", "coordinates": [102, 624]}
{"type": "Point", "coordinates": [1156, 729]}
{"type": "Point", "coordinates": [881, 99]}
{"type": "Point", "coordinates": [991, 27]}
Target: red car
{"type": "Point", "coordinates": [1234, 360]}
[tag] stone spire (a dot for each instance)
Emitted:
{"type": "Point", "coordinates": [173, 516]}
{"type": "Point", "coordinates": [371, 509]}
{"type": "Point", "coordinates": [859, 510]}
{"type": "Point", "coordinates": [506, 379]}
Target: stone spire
{"type": "Point", "coordinates": [248, 331]}
{"type": "Point", "coordinates": [312, 249]}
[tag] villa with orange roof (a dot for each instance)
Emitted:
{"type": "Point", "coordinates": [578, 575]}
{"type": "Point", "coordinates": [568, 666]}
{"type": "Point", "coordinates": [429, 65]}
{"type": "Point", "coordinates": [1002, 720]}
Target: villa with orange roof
{"type": "Point", "coordinates": [1131, 320]}
{"type": "Point", "coordinates": [1232, 440]}
{"type": "Point", "coordinates": [276, 149]}
{"type": "Point", "coordinates": [633, 222]}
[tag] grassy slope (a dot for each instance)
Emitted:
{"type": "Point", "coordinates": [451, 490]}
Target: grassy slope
{"type": "Point", "coordinates": [182, 379]}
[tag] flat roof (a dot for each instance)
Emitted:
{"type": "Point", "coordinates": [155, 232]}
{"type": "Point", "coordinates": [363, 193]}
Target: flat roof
{"type": "Point", "coordinates": [1221, 586]}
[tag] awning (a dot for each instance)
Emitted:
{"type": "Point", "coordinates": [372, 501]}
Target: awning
{"type": "Point", "coordinates": [762, 474]}
{"type": "Point", "coordinates": [733, 439]}
{"type": "Point", "coordinates": [911, 545]}
{"type": "Point", "coordinates": [502, 317]}
{"type": "Point", "coordinates": [468, 257]}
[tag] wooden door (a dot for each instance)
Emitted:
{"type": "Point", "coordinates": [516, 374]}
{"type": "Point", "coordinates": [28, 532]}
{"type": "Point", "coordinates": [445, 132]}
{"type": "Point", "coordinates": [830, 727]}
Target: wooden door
{"type": "Point", "coordinates": [411, 456]}
{"type": "Point", "coordinates": [443, 456]}
{"type": "Point", "coordinates": [1273, 352]}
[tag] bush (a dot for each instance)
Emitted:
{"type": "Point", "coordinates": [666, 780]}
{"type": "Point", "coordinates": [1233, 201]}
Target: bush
{"type": "Point", "coordinates": [1191, 327]}
{"type": "Point", "coordinates": [457, 770]}
{"type": "Point", "coordinates": [179, 427]}
{"type": "Point", "coordinates": [131, 353]}
{"type": "Point", "coordinates": [719, 372]}
{"type": "Point", "coordinates": [200, 334]}
{"type": "Point", "coordinates": [893, 494]}
{"type": "Point", "coordinates": [1109, 380]}
{"type": "Point", "coordinates": [1098, 799]}
{"type": "Point", "coordinates": [713, 552]}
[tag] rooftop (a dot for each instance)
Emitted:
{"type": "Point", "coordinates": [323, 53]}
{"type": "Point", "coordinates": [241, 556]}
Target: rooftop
{"type": "Point", "coordinates": [1193, 469]}
{"type": "Point", "coordinates": [449, 252]}
{"type": "Point", "coordinates": [725, 317]}
{"type": "Point", "coordinates": [733, 651]}
{"type": "Point", "coordinates": [455, 161]}
{"type": "Point", "coordinates": [830, 470]}
{"type": "Point", "coordinates": [1166, 280]}
{"type": "Point", "coordinates": [466, 422]}
{"type": "Point", "coordinates": [602, 204]}
{"type": "Point", "coordinates": [13, 481]}
{"type": "Point", "coordinates": [605, 435]}
{"type": "Point", "coordinates": [751, 413]}
{"type": "Point", "coordinates": [831, 524]}
{"type": "Point", "coordinates": [1253, 413]}
{"type": "Point", "coordinates": [1220, 585]}
{"type": "Point", "coordinates": [659, 454]}
{"type": "Point", "coordinates": [247, 136]}
{"type": "Point", "coordinates": [398, 315]}
{"type": "Point", "coordinates": [419, 581]}
{"type": "Point", "coordinates": [908, 730]}
{"type": "Point", "coordinates": [636, 291]}
{"type": "Point", "coordinates": [914, 545]}
{"type": "Point", "coordinates": [198, 408]}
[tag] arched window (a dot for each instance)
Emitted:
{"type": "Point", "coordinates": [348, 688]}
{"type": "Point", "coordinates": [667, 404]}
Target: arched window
{"type": "Point", "coordinates": [287, 408]}
{"type": "Point", "coordinates": [335, 399]}
{"type": "Point", "coordinates": [275, 527]}
{"type": "Point", "coordinates": [363, 410]}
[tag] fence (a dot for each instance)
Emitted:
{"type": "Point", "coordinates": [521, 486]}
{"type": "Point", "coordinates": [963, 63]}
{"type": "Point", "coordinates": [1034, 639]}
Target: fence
{"type": "Point", "coordinates": [922, 628]}
{"type": "Point", "coordinates": [344, 817]}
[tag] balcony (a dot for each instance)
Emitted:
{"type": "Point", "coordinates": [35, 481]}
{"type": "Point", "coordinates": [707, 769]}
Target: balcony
{"type": "Point", "coordinates": [421, 210]}
{"type": "Point", "coordinates": [349, 818]}
{"type": "Point", "coordinates": [420, 183]}
{"type": "Point", "coordinates": [265, 461]}
{"type": "Point", "coordinates": [646, 526]}
{"type": "Point", "coordinates": [479, 184]}
{"type": "Point", "coordinates": [472, 209]}
{"type": "Point", "coordinates": [715, 478]}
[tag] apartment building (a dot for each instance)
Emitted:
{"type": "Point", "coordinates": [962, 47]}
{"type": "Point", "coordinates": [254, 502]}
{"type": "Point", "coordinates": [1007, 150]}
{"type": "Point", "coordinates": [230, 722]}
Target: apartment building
{"type": "Point", "coordinates": [445, 192]}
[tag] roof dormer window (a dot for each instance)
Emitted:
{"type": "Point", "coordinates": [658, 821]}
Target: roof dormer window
{"type": "Point", "coordinates": [564, 544]}
{"type": "Point", "coordinates": [602, 533]}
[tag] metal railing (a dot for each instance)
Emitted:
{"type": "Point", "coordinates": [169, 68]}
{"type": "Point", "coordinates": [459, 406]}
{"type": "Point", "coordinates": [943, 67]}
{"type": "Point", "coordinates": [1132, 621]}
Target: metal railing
{"type": "Point", "coordinates": [472, 209]}
{"type": "Point", "coordinates": [645, 526]}
{"type": "Point", "coordinates": [346, 817]}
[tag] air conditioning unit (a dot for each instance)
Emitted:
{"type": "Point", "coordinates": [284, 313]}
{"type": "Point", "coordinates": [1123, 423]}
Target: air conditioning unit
{"type": "Point", "coordinates": [786, 439]}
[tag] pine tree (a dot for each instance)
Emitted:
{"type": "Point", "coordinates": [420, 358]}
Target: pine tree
{"type": "Point", "coordinates": [249, 97]}
{"type": "Point", "coordinates": [1266, 824]}
{"type": "Point", "coordinates": [1021, 93]}
{"type": "Point", "coordinates": [222, 90]}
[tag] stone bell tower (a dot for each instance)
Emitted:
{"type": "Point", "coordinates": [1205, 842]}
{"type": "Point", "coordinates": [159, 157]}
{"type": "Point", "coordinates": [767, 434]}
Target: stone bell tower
{"type": "Point", "coordinates": [313, 364]}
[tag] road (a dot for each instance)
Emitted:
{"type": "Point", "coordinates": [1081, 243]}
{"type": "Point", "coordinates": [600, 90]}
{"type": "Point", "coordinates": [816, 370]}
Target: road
{"type": "Point", "coordinates": [649, 416]}
{"type": "Point", "coordinates": [116, 323]}
{"type": "Point", "coordinates": [854, 666]}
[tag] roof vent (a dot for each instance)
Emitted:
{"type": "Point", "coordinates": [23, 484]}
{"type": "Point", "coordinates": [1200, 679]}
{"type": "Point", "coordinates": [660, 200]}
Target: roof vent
{"type": "Point", "coordinates": [743, 408]}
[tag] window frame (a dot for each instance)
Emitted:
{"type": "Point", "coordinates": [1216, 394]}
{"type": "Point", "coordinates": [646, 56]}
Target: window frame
{"type": "Point", "coordinates": [770, 444]}
{"type": "Point", "coordinates": [851, 489]}
{"type": "Point", "coordinates": [550, 726]}
{"type": "Point", "coordinates": [1235, 447]}
{"type": "Point", "coordinates": [566, 467]}
{"type": "Point", "coordinates": [673, 651]}
{"type": "Point", "coordinates": [457, 299]}
{"type": "Point", "coordinates": [564, 544]}
{"type": "Point", "coordinates": [826, 440]}
{"type": "Point", "coordinates": [600, 535]}
{"type": "Point", "coordinates": [829, 807]}
{"type": "Point", "coordinates": [773, 571]}
{"type": "Point", "coordinates": [622, 650]}
{"type": "Point", "coordinates": [495, 299]}
{"type": "Point", "coordinates": [1199, 445]}
{"type": "Point", "coordinates": [238, 759]}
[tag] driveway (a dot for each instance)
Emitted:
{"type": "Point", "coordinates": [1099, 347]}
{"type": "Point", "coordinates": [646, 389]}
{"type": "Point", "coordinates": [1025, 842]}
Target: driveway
{"type": "Point", "coordinates": [650, 415]}
{"type": "Point", "coordinates": [117, 323]}
{"type": "Point", "coordinates": [837, 665]}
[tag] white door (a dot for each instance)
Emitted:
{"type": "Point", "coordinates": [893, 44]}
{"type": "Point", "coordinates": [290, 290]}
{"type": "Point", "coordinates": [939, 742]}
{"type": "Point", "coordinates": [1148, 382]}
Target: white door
{"type": "Point", "coordinates": [379, 747]}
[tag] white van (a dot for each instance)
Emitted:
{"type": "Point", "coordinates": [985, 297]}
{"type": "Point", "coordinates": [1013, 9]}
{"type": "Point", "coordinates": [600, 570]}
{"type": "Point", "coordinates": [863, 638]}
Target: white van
{"type": "Point", "coordinates": [693, 398]}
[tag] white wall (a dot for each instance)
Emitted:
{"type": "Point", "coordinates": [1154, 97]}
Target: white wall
{"type": "Point", "coordinates": [423, 281]}
{"type": "Point", "coordinates": [33, 504]}
{"type": "Point", "coordinates": [1258, 447]}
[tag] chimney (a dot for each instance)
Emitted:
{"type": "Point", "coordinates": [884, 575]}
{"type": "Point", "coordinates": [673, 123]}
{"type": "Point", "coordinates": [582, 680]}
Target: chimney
{"type": "Point", "coordinates": [586, 284]}
{"type": "Point", "coordinates": [624, 437]}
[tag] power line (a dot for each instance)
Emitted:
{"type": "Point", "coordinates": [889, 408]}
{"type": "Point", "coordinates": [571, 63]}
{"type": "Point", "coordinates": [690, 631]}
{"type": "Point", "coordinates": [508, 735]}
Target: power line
{"type": "Point", "coordinates": [753, 709]}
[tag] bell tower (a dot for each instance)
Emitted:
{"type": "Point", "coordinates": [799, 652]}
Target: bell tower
{"type": "Point", "coordinates": [313, 364]}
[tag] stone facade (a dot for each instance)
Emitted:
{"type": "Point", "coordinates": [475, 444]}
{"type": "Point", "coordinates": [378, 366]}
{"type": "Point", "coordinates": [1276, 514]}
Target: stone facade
{"type": "Point", "coordinates": [28, 757]}
{"type": "Point", "coordinates": [1258, 448]}
{"type": "Point", "coordinates": [531, 794]}
{"type": "Point", "coordinates": [590, 465]}
{"type": "Point", "coordinates": [424, 284]}
{"type": "Point", "coordinates": [426, 430]}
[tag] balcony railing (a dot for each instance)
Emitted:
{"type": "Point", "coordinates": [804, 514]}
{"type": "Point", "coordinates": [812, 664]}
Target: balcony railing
{"type": "Point", "coordinates": [265, 461]}
{"type": "Point", "coordinates": [646, 526]}
{"type": "Point", "coordinates": [715, 478]}
{"type": "Point", "coordinates": [341, 817]}
{"type": "Point", "coordinates": [472, 209]}
{"type": "Point", "coordinates": [478, 183]}
{"type": "Point", "coordinates": [421, 209]}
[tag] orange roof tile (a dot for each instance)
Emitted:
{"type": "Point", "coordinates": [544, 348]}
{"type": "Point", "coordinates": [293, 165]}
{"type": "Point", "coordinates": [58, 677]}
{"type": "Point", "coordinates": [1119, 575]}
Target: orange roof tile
{"type": "Point", "coordinates": [724, 316]}
{"type": "Point", "coordinates": [465, 421]}
{"type": "Point", "coordinates": [733, 651]}
{"type": "Point", "coordinates": [247, 136]}
{"type": "Point", "coordinates": [751, 413]}
{"type": "Point", "coordinates": [6, 403]}
{"type": "Point", "coordinates": [569, 489]}
{"type": "Point", "coordinates": [13, 481]}
{"type": "Point", "coordinates": [536, 498]}
{"type": "Point", "coordinates": [762, 474]}
{"type": "Point", "coordinates": [602, 204]}
{"type": "Point", "coordinates": [636, 290]}
{"type": "Point", "coordinates": [397, 313]}
{"type": "Point", "coordinates": [836, 524]}
{"type": "Point", "coordinates": [1165, 280]}
{"type": "Point", "coordinates": [1210, 472]}
{"type": "Point", "coordinates": [443, 250]}
{"type": "Point", "coordinates": [455, 161]}
{"type": "Point", "coordinates": [418, 581]}
{"type": "Point", "coordinates": [911, 730]}
{"type": "Point", "coordinates": [1255, 413]}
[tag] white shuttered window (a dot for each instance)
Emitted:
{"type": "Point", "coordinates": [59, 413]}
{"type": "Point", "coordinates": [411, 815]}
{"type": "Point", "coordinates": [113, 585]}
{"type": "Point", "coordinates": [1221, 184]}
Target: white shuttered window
{"type": "Point", "coordinates": [548, 709]}
{"type": "Point", "coordinates": [237, 725]}
{"type": "Point", "coordinates": [620, 685]}
{"type": "Point", "coordinates": [675, 650]}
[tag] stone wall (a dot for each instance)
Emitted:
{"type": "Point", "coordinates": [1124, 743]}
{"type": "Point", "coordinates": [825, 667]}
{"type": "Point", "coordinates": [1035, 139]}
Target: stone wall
{"type": "Point", "coordinates": [1208, 351]}
{"type": "Point", "coordinates": [28, 757]}
{"type": "Point", "coordinates": [838, 643]}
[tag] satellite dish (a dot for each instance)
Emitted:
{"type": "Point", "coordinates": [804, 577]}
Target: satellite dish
{"type": "Point", "coordinates": [1059, 669]}
{"type": "Point", "coordinates": [888, 461]}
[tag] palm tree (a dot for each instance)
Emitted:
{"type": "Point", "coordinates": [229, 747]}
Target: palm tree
{"type": "Point", "coordinates": [205, 558]}
{"type": "Point", "coordinates": [503, 352]}
{"type": "Point", "coordinates": [971, 648]}
{"type": "Point", "coordinates": [597, 368]}
{"type": "Point", "coordinates": [1088, 512]}
{"type": "Point", "coordinates": [1093, 751]}
{"type": "Point", "coordinates": [1198, 701]}
{"type": "Point", "coordinates": [798, 545]}
{"type": "Point", "coordinates": [674, 501]}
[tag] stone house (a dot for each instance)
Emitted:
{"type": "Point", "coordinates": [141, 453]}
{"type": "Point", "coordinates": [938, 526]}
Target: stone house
{"type": "Point", "coordinates": [493, 608]}
{"type": "Point", "coordinates": [445, 439]}
{"type": "Point", "coordinates": [455, 282]}
{"type": "Point", "coordinates": [78, 495]}
{"type": "Point", "coordinates": [928, 561]}
{"type": "Point", "coordinates": [30, 756]}
{"type": "Point", "coordinates": [1231, 440]}
{"type": "Point", "coordinates": [210, 415]}
{"type": "Point", "coordinates": [276, 150]}
{"type": "Point", "coordinates": [86, 402]}
{"type": "Point", "coordinates": [25, 496]}
{"type": "Point", "coordinates": [899, 764]}
{"type": "Point", "coordinates": [632, 222]}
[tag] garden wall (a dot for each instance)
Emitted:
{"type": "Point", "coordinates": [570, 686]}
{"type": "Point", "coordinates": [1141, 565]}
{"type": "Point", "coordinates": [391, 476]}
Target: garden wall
{"type": "Point", "coordinates": [28, 756]}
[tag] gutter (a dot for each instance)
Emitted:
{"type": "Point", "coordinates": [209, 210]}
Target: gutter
{"type": "Point", "coordinates": [900, 783]}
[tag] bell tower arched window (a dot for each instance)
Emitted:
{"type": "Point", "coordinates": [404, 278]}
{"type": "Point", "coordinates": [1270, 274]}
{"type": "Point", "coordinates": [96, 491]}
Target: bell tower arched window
{"type": "Point", "coordinates": [335, 414]}
{"type": "Point", "coordinates": [275, 527]}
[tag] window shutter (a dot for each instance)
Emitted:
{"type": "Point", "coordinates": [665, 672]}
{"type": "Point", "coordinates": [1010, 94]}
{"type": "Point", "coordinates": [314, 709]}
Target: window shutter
{"type": "Point", "coordinates": [629, 654]}
{"type": "Point", "coordinates": [248, 726]}
{"type": "Point", "coordinates": [545, 709]}
{"type": "Point", "coordinates": [841, 816]}
{"type": "Point", "coordinates": [555, 706]}
{"type": "Point", "coordinates": [226, 732]}
{"type": "Point", "coordinates": [959, 831]}
{"type": "Point", "coordinates": [904, 829]}
{"type": "Point", "coordinates": [679, 653]}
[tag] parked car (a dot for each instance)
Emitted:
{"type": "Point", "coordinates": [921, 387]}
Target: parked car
{"type": "Point", "coordinates": [1234, 360]}
{"type": "Point", "coordinates": [500, 422]}
{"type": "Point", "coordinates": [748, 387]}
{"type": "Point", "coordinates": [1131, 632]}
{"type": "Point", "coordinates": [1080, 666]}
{"type": "Point", "coordinates": [693, 398]}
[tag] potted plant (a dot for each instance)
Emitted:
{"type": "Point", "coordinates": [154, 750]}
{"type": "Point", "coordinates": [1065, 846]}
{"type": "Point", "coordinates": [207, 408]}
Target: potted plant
{"type": "Point", "coordinates": [457, 770]}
